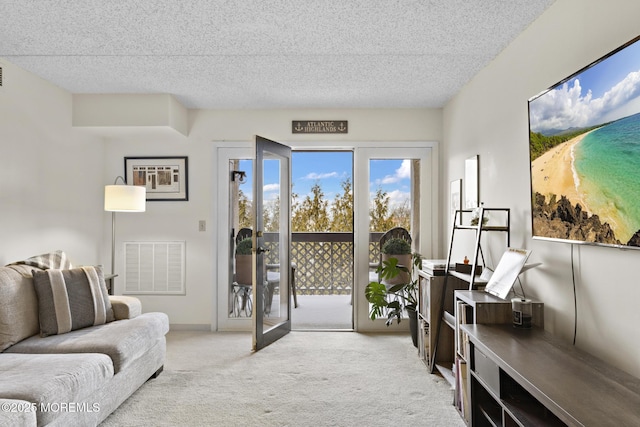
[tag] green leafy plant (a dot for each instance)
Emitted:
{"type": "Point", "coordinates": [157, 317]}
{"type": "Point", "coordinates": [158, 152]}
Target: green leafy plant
{"type": "Point", "coordinates": [396, 246]}
{"type": "Point", "coordinates": [393, 301]}
{"type": "Point", "coordinates": [244, 246]}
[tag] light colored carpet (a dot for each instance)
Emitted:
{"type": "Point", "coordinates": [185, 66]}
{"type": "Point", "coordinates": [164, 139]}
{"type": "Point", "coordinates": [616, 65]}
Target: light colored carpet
{"type": "Point", "coordinates": [304, 379]}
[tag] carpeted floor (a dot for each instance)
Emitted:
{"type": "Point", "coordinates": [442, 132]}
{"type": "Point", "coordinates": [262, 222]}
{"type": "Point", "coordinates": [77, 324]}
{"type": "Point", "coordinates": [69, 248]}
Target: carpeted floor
{"type": "Point", "coordinates": [305, 379]}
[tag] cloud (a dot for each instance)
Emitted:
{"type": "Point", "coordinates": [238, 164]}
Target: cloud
{"type": "Point", "coordinates": [271, 187]}
{"type": "Point", "coordinates": [566, 107]}
{"type": "Point", "coordinates": [403, 172]}
{"type": "Point", "coordinates": [398, 198]}
{"type": "Point", "coordinates": [314, 175]}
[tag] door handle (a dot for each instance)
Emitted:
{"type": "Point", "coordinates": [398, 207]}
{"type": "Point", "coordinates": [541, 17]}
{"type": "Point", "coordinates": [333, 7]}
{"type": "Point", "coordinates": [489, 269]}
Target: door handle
{"type": "Point", "coordinates": [261, 250]}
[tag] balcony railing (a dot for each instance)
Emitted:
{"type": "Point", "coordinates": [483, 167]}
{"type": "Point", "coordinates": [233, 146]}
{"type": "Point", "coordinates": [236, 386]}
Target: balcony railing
{"type": "Point", "coordinates": [323, 261]}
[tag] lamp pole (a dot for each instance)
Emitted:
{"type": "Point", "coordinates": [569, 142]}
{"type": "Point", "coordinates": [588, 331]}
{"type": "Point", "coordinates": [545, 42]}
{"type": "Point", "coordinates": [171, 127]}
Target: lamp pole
{"type": "Point", "coordinates": [113, 242]}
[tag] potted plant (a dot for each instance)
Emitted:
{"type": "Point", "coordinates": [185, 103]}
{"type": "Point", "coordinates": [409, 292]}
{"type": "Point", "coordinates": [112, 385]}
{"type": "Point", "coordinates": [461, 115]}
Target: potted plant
{"type": "Point", "coordinates": [243, 261]}
{"type": "Point", "coordinates": [400, 249]}
{"type": "Point", "coordinates": [393, 301]}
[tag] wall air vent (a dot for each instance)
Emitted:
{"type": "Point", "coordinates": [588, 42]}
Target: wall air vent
{"type": "Point", "coordinates": [0, 76]}
{"type": "Point", "coordinates": [154, 268]}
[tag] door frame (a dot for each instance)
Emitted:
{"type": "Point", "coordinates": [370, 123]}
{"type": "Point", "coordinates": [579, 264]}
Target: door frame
{"type": "Point", "coordinates": [220, 316]}
{"type": "Point", "coordinates": [363, 152]}
{"type": "Point", "coordinates": [429, 235]}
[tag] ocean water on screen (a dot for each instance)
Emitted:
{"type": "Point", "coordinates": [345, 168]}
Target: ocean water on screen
{"type": "Point", "coordinates": [607, 162]}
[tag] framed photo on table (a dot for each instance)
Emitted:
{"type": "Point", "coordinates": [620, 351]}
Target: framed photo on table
{"type": "Point", "coordinates": [165, 178]}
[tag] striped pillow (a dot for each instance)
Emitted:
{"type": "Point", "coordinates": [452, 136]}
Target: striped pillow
{"type": "Point", "coordinates": [71, 299]}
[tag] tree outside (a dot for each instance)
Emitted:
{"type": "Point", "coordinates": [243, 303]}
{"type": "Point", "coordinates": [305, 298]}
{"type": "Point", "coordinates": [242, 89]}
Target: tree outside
{"type": "Point", "coordinates": [245, 210]}
{"type": "Point", "coordinates": [315, 214]}
{"type": "Point", "coordinates": [312, 214]}
{"type": "Point", "coordinates": [342, 209]}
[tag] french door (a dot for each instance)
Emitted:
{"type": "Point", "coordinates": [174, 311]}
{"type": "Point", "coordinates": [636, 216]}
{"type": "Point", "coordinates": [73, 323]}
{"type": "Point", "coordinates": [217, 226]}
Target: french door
{"type": "Point", "coordinates": [272, 235]}
{"type": "Point", "coordinates": [235, 309]}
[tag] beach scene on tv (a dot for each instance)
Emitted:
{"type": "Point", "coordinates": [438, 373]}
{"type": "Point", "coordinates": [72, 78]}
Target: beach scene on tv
{"type": "Point", "coordinates": [585, 154]}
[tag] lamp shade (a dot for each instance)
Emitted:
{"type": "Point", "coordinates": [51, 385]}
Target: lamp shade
{"type": "Point", "coordinates": [124, 198]}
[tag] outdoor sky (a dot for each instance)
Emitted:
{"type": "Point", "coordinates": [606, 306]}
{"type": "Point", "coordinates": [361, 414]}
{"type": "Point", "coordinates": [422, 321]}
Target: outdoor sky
{"type": "Point", "coordinates": [330, 169]}
{"type": "Point", "coordinates": [604, 92]}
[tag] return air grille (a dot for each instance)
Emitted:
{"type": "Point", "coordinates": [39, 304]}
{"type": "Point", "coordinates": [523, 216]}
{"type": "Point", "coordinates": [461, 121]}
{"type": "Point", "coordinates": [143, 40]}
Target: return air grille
{"type": "Point", "coordinates": [154, 268]}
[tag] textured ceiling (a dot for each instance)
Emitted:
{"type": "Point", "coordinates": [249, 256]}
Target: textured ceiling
{"type": "Point", "coordinates": [264, 53]}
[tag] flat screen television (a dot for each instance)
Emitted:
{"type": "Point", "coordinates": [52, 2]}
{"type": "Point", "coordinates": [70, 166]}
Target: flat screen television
{"type": "Point", "coordinates": [584, 146]}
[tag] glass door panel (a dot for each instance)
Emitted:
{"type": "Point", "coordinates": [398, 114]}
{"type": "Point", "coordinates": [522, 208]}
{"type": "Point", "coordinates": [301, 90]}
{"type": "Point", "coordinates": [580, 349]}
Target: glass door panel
{"type": "Point", "coordinates": [401, 193]}
{"type": "Point", "coordinates": [271, 242]}
{"type": "Point", "coordinates": [391, 212]}
{"type": "Point", "coordinates": [240, 303]}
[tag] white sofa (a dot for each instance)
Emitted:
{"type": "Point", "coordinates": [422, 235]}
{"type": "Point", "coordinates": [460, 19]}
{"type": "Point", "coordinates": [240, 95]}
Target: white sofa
{"type": "Point", "coordinates": [74, 378]}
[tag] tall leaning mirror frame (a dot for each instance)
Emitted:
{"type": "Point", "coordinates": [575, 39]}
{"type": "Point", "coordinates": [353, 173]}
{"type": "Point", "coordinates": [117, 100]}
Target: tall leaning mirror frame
{"type": "Point", "coordinates": [471, 185]}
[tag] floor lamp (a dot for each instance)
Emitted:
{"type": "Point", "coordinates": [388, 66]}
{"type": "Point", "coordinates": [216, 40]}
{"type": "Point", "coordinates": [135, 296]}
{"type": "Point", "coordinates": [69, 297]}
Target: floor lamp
{"type": "Point", "coordinates": [122, 198]}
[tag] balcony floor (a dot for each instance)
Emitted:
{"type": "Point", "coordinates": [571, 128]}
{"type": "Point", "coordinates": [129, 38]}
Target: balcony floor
{"type": "Point", "coordinates": [321, 312]}
{"type": "Point", "coordinates": [318, 312]}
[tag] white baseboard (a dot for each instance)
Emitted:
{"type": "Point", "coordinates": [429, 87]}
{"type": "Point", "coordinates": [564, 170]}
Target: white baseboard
{"type": "Point", "coordinates": [189, 327]}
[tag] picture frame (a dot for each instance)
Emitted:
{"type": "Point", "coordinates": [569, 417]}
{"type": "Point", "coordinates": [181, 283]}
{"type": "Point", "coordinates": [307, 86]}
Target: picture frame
{"type": "Point", "coordinates": [165, 178]}
{"type": "Point", "coordinates": [455, 197]}
{"type": "Point", "coordinates": [471, 186]}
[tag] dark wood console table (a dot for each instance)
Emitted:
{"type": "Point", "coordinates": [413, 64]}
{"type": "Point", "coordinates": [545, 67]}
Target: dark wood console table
{"type": "Point", "coordinates": [529, 377]}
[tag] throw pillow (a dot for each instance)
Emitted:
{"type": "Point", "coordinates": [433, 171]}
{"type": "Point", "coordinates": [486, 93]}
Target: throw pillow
{"type": "Point", "coordinates": [71, 299]}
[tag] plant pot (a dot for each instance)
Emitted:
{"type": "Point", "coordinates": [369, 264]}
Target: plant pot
{"type": "Point", "coordinates": [404, 276]}
{"type": "Point", "coordinates": [413, 325]}
{"type": "Point", "coordinates": [244, 270]}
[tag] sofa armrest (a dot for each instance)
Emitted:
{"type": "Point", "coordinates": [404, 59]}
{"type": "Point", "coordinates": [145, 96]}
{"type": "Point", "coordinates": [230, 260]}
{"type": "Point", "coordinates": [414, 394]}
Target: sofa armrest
{"type": "Point", "coordinates": [125, 307]}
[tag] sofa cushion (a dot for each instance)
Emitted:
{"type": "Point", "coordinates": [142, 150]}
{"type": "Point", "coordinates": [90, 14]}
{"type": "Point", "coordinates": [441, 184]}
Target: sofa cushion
{"type": "Point", "coordinates": [17, 413]}
{"type": "Point", "coordinates": [18, 305]}
{"type": "Point", "coordinates": [71, 299]}
{"type": "Point", "coordinates": [123, 340]}
{"type": "Point", "coordinates": [53, 379]}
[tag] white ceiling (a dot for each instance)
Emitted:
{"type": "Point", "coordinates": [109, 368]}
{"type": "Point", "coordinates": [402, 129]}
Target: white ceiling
{"type": "Point", "coordinates": [262, 54]}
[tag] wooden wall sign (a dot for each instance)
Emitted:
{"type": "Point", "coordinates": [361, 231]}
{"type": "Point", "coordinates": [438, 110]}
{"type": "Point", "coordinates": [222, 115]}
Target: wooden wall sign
{"type": "Point", "coordinates": [320, 126]}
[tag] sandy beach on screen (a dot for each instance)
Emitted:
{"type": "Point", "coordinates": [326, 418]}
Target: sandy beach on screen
{"type": "Point", "coordinates": [552, 172]}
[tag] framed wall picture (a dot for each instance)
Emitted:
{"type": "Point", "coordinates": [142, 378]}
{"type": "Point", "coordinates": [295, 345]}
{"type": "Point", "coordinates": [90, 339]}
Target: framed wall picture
{"type": "Point", "coordinates": [165, 178]}
{"type": "Point", "coordinates": [471, 186]}
{"type": "Point", "coordinates": [455, 197]}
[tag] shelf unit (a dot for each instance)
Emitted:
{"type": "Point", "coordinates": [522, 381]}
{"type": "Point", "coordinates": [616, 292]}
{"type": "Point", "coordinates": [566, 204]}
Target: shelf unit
{"type": "Point", "coordinates": [478, 307]}
{"type": "Point", "coordinates": [430, 295]}
{"type": "Point", "coordinates": [446, 313]}
{"type": "Point", "coordinates": [461, 216]}
{"type": "Point", "coordinates": [510, 386]}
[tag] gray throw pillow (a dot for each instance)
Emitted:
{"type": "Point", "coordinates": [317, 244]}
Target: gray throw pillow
{"type": "Point", "coordinates": [71, 299]}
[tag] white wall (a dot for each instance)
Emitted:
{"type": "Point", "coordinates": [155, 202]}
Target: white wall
{"type": "Point", "coordinates": [51, 176]}
{"type": "Point", "coordinates": [208, 130]}
{"type": "Point", "coordinates": [489, 117]}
